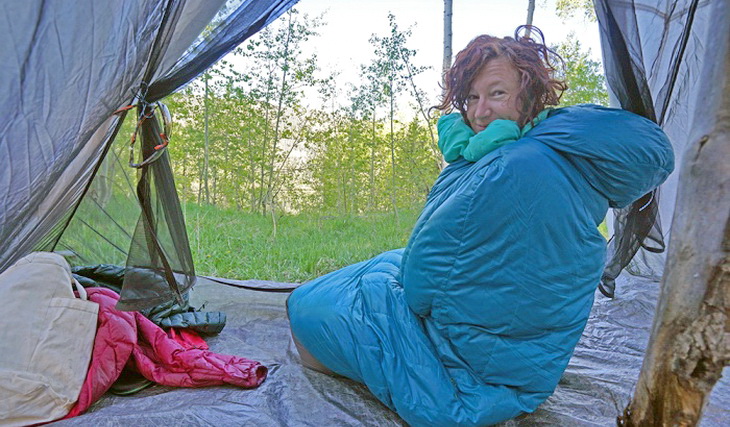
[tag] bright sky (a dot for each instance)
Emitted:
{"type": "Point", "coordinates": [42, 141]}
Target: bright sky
{"type": "Point", "coordinates": [343, 44]}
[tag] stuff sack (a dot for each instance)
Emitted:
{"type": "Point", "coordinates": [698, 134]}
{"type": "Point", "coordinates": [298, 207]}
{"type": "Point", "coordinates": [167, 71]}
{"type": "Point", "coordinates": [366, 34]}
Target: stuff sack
{"type": "Point", "coordinates": [47, 337]}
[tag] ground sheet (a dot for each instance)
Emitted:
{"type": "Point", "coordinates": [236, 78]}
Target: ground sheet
{"type": "Point", "coordinates": [593, 391]}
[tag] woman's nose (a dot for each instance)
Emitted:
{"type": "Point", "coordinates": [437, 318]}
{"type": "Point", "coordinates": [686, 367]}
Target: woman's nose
{"type": "Point", "coordinates": [483, 109]}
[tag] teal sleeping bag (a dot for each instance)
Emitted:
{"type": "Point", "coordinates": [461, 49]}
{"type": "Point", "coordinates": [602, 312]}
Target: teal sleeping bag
{"type": "Point", "coordinates": [476, 320]}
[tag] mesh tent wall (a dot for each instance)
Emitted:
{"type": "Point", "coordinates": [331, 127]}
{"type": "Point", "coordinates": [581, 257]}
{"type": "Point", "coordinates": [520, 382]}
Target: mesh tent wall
{"type": "Point", "coordinates": [656, 54]}
{"type": "Point", "coordinates": [65, 71]}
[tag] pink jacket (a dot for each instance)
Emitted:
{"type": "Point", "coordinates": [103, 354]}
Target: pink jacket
{"type": "Point", "coordinates": [123, 336]}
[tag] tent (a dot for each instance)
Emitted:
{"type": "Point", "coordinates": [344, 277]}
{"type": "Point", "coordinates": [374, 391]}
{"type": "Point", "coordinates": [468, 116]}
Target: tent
{"type": "Point", "coordinates": [66, 71]}
{"type": "Point", "coordinates": [69, 72]}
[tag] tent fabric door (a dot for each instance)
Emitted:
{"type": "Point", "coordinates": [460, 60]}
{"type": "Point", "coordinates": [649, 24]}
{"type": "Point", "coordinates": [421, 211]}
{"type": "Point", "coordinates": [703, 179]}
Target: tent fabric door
{"type": "Point", "coordinates": [656, 54]}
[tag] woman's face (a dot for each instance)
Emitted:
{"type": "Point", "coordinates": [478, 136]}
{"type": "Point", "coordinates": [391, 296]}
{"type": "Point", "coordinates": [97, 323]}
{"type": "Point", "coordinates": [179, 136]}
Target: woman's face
{"type": "Point", "coordinates": [493, 94]}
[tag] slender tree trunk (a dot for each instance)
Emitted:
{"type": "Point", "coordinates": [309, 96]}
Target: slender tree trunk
{"type": "Point", "coordinates": [272, 209]}
{"type": "Point", "coordinates": [252, 163]}
{"type": "Point", "coordinates": [392, 149]}
{"type": "Point", "coordinates": [205, 149]}
{"type": "Point", "coordinates": [278, 184]}
{"type": "Point", "coordinates": [448, 35]}
{"type": "Point", "coordinates": [200, 183]}
{"type": "Point", "coordinates": [184, 172]}
{"type": "Point", "coordinates": [433, 143]}
{"type": "Point", "coordinates": [349, 175]}
{"type": "Point", "coordinates": [265, 145]}
{"type": "Point", "coordinates": [690, 340]}
{"type": "Point", "coordinates": [371, 201]}
{"type": "Point", "coordinates": [339, 191]}
{"type": "Point", "coordinates": [530, 13]}
{"type": "Point", "coordinates": [279, 113]}
{"type": "Point", "coordinates": [104, 183]}
{"type": "Point", "coordinates": [214, 193]}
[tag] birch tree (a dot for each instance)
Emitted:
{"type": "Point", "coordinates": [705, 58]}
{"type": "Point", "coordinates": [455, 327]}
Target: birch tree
{"type": "Point", "coordinates": [530, 15]}
{"type": "Point", "coordinates": [391, 71]}
{"type": "Point", "coordinates": [448, 35]}
{"type": "Point", "coordinates": [366, 99]}
{"type": "Point", "coordinates": [280, 71]}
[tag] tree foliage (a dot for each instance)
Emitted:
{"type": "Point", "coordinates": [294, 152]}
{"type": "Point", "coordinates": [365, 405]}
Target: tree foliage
{"type": "Point", "coordinates": [569, 8]}
{"type": "Point", "coordinates": [270, 152]}
{"type": "Point", "coordinates": [584, 76]}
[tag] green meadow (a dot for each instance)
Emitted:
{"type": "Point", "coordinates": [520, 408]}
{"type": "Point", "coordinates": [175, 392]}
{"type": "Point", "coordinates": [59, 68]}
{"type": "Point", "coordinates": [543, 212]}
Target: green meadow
{"type": "Point", "coordinates": [234, 244]}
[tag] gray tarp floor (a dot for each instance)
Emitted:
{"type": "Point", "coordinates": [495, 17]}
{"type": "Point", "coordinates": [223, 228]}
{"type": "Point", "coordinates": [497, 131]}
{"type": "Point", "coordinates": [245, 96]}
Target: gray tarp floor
{"type": "Point", "coordinates": [595, 388]}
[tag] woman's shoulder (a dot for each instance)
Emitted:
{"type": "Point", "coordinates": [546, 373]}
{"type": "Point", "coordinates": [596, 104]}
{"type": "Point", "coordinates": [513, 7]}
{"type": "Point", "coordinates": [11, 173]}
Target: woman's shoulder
{"type": "Point", "coordinates": [600, 113]}
{"type": "Point", "coordinates": [622, 154]}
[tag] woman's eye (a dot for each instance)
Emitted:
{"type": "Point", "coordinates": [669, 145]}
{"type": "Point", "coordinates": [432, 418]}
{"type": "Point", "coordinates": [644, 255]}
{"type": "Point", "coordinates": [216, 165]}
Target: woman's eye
{"type": "Point", "coordinates": [498, 93]}
{"type": "Point", "coordinates": [472, 98]}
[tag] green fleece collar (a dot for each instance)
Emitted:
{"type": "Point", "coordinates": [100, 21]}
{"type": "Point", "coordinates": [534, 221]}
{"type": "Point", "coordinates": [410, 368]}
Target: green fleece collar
{"type": "Point", "coordinates": [457, 139]}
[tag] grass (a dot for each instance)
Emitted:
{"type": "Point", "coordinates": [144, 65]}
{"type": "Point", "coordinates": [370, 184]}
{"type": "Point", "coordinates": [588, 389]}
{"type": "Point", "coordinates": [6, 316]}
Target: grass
{"type": "Point", "coordinates": [230, 243]}
{"type": "Point", "coordinates": [603, 228]}
{"type": "Point", "coordinates": [234, 244]}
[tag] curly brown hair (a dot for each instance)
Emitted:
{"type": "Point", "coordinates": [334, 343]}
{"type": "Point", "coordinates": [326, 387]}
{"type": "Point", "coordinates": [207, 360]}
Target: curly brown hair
{"type": "Point", "coordinates": [533, 60]}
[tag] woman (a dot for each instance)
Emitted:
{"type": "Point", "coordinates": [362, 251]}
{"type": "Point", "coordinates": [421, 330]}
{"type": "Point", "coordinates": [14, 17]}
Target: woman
{"type": "Point", "coordinates": [475, 321]}
{"type": "Point", "coordinates": [501, 88]}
